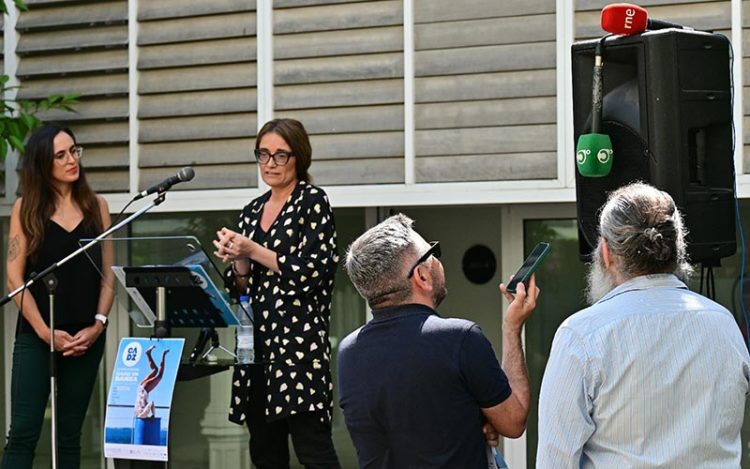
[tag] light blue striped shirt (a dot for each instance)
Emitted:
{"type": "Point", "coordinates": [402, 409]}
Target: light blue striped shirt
{"type": "Point", "coordinates": [652, 375]}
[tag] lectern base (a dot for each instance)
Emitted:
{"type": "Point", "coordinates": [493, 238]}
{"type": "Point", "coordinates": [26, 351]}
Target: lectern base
{"type": "Point", "coordinates": [128, 464]}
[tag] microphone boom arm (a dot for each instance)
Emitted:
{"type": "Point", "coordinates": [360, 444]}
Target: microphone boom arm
{"type": "Point", "coordinates": [158, 200]}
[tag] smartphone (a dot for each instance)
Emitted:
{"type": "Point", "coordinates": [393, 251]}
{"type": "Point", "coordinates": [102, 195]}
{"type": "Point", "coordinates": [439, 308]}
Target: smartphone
{"type": "Point", "coordinates": [529, 265]}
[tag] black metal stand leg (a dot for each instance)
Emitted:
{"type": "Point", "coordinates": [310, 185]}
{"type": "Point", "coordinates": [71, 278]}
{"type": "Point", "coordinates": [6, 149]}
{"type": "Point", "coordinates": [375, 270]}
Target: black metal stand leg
{"type": "Point", "coordinates": [216, 345]}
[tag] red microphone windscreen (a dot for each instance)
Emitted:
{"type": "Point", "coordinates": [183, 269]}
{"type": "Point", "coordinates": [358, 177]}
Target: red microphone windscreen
{"type": "Point", "coordinates": [624, 18]}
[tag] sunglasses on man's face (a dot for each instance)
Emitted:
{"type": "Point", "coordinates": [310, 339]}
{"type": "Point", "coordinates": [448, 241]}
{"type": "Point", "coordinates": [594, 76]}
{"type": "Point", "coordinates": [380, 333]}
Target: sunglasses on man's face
{"type": "Point", "coordinates": [433, 251]}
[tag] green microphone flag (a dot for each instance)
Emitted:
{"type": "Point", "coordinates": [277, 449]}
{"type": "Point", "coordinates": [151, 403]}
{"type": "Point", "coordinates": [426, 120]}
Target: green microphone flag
{"type": "Point", "coordinates": [594, 155]}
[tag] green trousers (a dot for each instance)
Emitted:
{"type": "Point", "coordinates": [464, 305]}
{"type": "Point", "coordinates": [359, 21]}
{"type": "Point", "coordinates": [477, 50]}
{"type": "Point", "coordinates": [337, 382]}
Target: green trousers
{"type": "Point", "coordinates": [30, 390]}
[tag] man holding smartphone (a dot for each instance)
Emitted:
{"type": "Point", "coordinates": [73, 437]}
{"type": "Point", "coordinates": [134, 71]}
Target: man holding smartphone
{"type": "Point", "coordinates": [652, 374]}
{"type": "Point", "coordinates": [416, 389]}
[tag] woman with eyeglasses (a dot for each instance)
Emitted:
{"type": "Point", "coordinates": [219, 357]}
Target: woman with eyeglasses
{"type": "Point", "coordinates": [57, 209]}
{"type": "Point", "coordinates": [284, 257]}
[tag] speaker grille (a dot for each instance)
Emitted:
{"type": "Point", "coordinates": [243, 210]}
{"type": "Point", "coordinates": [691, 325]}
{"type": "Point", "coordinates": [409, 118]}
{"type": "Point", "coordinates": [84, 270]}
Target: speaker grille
{"type": "Point", "coordinates": [630, 164]}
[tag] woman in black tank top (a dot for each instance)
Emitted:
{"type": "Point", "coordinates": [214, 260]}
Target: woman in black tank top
{"type": "Point", "coordinates": [57, 210]}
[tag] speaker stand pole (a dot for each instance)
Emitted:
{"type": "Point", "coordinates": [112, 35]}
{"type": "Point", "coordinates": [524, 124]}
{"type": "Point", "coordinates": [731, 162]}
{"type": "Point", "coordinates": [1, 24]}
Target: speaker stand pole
{"type": "Point", "coordinates": [50, 281]}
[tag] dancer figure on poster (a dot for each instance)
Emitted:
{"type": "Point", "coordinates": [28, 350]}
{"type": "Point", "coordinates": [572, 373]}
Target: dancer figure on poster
{"type": "Point", "coordinates": [144, 408]}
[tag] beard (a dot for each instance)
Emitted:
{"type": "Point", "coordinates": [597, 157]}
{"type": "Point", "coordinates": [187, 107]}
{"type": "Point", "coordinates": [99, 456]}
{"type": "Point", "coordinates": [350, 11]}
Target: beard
{"type": "Point", "coordinates": [599, 280]}
{"type": "Point", "coordinates": [440, 291]}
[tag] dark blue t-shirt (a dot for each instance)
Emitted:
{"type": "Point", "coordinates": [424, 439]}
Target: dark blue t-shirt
{"type": "Point", "coordinates": [412, 385]}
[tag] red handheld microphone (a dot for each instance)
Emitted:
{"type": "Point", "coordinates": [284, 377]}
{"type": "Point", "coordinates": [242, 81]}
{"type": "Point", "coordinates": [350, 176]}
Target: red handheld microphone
{"type": "Point", "coordinates": [626, 19]}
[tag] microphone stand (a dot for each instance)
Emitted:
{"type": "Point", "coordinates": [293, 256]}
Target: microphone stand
{"type": "Point", "coordinates": [51, 283]}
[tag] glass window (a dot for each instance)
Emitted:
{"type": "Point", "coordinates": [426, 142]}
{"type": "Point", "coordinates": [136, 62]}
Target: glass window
{"type": "Point", "coordinates": [347, 314]}
{"type": "Point", "coordinates": [561, 277]}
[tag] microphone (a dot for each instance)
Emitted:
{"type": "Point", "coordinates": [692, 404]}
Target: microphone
{"type": "Point", "coordinates": [626, 19]}
{"type": "Point", "coordinates": [185, 174]}
{"type": "Point", "coordinates": [594, 151]}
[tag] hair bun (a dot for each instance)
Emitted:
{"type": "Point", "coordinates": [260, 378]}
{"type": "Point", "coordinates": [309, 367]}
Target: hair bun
{"type": "Point", "coordinates": [659, 248]}
{"type": "Point", "coordinates": [652, 234]}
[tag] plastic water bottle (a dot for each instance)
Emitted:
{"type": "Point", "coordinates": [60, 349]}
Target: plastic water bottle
{"type": "Point", "coordinates": [245, 350]}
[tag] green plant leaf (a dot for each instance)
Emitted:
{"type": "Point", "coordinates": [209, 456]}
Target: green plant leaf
{"type": "Point", "coordinates": [13, 127]}
{"type": "Point", "coordinates": [36, 123]}
{"type": "Point", "coordinates": [42, 105]}
{"type": "Point", "coordinates": [28, 121]}
{"type": "Point", "coordinates": [15, 142]}
{"type": "Point", "coordinates": [71, 99]}
{"type": "Point", "coordinates": [25, 105]}
{"type": "Point", "coordinates": [21, 5]}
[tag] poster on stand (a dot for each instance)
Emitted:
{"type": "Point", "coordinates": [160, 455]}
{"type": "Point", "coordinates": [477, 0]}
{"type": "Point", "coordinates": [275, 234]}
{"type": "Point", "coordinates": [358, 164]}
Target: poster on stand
{"type": "Point", "coordinates": [140, 399]}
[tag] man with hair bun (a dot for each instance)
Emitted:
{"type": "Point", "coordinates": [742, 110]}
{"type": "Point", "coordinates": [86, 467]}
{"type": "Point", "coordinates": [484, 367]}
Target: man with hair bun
{"type": "Point", "coordinates": [651, 374]}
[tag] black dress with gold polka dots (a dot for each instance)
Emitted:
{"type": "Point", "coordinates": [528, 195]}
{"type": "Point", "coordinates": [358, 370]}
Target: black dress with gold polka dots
{"type": "Point", "coordinates": [292, 308]}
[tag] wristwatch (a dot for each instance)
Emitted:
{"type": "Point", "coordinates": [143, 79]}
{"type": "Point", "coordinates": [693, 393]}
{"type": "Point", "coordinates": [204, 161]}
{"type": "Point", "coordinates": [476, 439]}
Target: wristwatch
{"type": "Point", "coordinates": [104, 319]}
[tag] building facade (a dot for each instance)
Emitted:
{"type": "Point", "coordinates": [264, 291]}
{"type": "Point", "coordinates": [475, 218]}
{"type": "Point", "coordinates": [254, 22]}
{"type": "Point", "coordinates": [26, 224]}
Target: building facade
{"type": "Point", "coordinates": [458, 113]}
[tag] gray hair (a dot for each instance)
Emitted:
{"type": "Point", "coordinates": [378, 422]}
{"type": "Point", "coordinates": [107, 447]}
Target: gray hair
{"type": "Point", "coordinates": [644, 230]}
{"type": "Point", "coordinates": [375, 261]}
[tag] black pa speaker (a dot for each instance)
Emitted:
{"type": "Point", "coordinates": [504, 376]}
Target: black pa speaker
{"type": "Point", "coordinates": [668, 111]}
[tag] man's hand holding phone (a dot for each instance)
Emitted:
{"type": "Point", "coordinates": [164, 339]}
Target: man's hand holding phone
{"type": "Point", "coordinates": [522, 304]}
{"type": "Point", "coordinates": [523, 286]}
{"type": "Point", "coordinates": [529, 266]}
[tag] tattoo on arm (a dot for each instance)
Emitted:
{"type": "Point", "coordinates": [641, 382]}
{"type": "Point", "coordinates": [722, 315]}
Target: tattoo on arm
{"type": "Point", "coordinates": [14, 247]}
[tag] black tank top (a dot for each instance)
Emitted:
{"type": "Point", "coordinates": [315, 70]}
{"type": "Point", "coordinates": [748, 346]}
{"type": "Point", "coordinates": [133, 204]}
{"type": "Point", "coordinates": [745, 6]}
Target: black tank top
{"type": "Point", "coordinates": [78, 281]}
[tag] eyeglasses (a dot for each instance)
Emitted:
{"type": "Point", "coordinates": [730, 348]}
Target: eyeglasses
{"type": "Point", "coordinates": [433, 251]}
{"type": "Point", "coordinates": [76, 151]}
{"type": "Point", "coordinates": [281, 157]}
